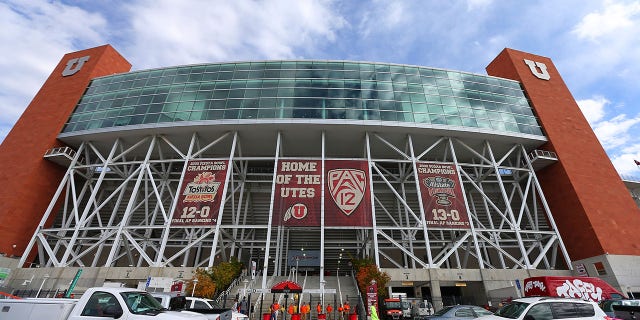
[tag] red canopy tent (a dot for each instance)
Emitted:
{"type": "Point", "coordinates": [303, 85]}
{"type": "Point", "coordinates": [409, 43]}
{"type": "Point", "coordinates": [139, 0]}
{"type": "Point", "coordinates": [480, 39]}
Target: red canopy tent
{"type": "Point", "coordinates": [286, 287]}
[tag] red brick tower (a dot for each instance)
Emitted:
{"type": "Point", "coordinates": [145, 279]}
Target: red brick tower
{"type": "Point", "coordinates": [593, 209]}
{"type": "Point", "coordinates": [28, 180]}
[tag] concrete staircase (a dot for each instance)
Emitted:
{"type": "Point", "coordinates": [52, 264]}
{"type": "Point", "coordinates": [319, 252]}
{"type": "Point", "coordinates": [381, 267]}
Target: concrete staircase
{"type": "Point", "coordinates": [338, 290]}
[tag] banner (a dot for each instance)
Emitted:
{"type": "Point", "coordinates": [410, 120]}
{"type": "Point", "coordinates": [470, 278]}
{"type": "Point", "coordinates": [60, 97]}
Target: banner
{"type": "Point", "coordinates": [200, 196]}
{"type": "Point", "coordinates": [442, 198]}
{"type": "Point", "coordinates": [347, 200]}
{"type": "Point", "coordinates": [297, 198]}
{"type": "Point", "coordinates": [372, 298]}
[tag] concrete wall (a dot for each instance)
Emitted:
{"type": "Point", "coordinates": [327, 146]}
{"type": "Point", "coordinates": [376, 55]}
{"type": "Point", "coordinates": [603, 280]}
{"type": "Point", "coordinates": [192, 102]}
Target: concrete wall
{"type": "Point", "coordinates": [481, 284]}
{"type": "Point", "coordinates": [60, 278]}
{"type": "Point", "coordinates": [622, 271]}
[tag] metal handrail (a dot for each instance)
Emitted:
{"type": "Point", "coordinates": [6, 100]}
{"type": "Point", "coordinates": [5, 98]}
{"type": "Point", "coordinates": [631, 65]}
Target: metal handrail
{"type": "Point", "coordinates": [362, 308]}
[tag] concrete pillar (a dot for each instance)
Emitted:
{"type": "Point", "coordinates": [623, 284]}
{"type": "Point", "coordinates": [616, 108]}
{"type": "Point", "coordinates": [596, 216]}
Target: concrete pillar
{"type": "Point", "coordinates": [436, 295]}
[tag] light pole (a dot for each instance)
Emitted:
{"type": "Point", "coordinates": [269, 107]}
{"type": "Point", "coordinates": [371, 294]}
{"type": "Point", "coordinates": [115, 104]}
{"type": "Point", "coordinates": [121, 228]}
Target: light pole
{"type": "Point", "coordinates": [46, 276]}
{"type": "Point", "coordinates": [297, 259]}
{"type": "Point", "coordinates": [322, 284]}
{"type": "Point", "coordinates": [195, 283]}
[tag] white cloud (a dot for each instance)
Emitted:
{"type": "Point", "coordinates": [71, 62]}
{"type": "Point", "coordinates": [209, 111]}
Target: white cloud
{"type": "Point", "coordinates": [593, 109]}
{"type": "Point", "coordinates": [605, 44]}
{"type": "Point", "coordinates": [616, 134]}
{"type": "Point", "coordinates": [614, 19]}
{"type": "Point", "coordinates": [615, 131]}
{"type": "Point", "coordinates": [382, 16]}
{"type": "Point", "coordinates": [478, 4]}
{"type": "Point", "coordinates": [38, 33]}
{"type": "Point", "coordinates": [169, 32]}
{"type": "Point", "coordinates": [625, 162]}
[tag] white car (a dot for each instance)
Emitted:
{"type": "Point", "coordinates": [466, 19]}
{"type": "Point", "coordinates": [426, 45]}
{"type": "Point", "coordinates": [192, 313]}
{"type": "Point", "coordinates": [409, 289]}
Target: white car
{"type": "Point", "coordinates": [200, 303]}
{"type": "Point", "coordinates": [422, 309]}
{"type": "Point", "coordinates": [548, 308]}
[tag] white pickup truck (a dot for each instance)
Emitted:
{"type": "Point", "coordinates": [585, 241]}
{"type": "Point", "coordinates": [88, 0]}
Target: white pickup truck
{"type": "Point", "coordinates": [95, 304]}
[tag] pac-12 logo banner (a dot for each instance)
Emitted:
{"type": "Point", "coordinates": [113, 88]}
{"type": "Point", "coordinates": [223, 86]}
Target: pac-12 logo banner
{"type": "Point", "coordinates": [442, 198]}
{"type": "Point", "coordinates": [297, 198]}
{"type": "Point", "coordinates": [349, 200]}
{"type": "Point", "coordinates": [200, 196]}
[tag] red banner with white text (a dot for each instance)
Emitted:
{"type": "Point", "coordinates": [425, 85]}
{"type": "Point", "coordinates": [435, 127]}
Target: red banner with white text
{"type": "Point", "coordinates": [297, 198]}
{"type": "Point", "coordinates": [347, 200]}
{"type": "Point", "coordinates": [442, 198]}
{"type": "Point", "coordinates": [201, 193]}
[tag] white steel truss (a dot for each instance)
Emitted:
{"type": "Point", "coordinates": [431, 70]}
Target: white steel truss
{"type": "Point", "coordinates": [114, 206]}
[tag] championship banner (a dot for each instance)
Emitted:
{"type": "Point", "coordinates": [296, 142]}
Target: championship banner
{"type": "Point", "coordinates": [201, 193]}
{"type": "Point", "coordinates": [442, 198]}
{"type": "Point", "coordinates": [297, 198]}
{"type": "Point", "coordinates": [347, 200]}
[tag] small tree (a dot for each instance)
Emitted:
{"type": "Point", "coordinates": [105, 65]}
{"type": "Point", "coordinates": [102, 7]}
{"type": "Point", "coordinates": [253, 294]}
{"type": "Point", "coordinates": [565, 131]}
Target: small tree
{"type": "Point", "coordinates": [366, 270]}
{"type": "Point", "coordinates": [215, 279]}
{"type": "Point", "coordinates": [224, 273]}
{"type": "Point", "coordinates": [205, 287]}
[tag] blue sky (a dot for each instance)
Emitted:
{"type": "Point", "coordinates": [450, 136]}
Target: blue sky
{"type": "Point", "coordinates": [594, 44]}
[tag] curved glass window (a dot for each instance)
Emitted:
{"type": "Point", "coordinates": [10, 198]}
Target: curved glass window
{"type": "Point", "coordinates": [305, 90]}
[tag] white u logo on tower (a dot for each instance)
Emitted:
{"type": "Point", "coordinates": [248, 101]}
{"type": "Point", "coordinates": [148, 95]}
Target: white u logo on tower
{"type": "Point", "coordinates": [74, 65]}
{"type": "Point", "coordinates": [534, 66]}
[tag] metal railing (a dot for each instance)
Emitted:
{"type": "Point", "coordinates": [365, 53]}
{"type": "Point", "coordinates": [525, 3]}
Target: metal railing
{"type": "Point", "coordinates": [542, 153]}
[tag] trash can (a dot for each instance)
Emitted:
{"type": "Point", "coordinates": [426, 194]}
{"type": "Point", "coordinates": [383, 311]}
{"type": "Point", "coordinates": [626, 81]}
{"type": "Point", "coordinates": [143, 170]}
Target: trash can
{"type": "Point", "coordinates": [266, 316]}
{"type": "Point", "coordinates": [321, 316]}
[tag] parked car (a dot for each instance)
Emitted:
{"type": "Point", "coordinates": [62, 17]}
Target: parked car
{"type": "Point", "coordinates": [422, 309]}
{"type": "Point", "coordinates": [459, 312]}
{"type": "Point", "coordinates": [548, 308]}
{"type": "Point", "coordinates": [607, 305]}
{"type": "Point", "coordinates": [625, 312]}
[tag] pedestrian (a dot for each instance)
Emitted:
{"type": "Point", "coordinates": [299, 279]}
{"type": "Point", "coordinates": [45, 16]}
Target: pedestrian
{"type": "Point", "coordinates": [340, 311]}
{"type": "Point", "coordinates": [305, 309]}
{"type": "Point", "coordinates": [291, 310]}
{"type": "Point", "coordinates": [374, 313]}
{"type": "Point", "coordinates": [275, 307]}
{"type": "Point", "coordinates": [236, 305]}
{"type": "Point", "coordinates": [347, 308]}
{"type": "Point", "coordinates": [244, 306]}
{"type": "Point", "coordinates": [319, 309]}
{"type": "Point", "coordinates": [329, 311]}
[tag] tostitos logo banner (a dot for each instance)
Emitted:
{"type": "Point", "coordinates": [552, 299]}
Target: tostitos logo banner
{"type": "Point", "coordinates": [201, 193]}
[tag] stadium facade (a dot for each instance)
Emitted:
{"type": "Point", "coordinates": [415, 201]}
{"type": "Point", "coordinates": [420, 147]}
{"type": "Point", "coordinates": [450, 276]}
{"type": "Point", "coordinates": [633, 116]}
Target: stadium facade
{"type": "Point", "coordinates": [446, 179]}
